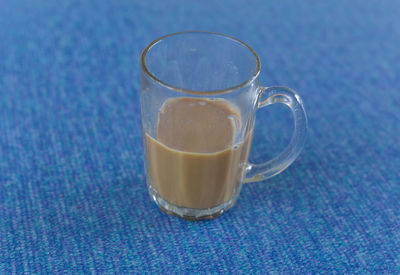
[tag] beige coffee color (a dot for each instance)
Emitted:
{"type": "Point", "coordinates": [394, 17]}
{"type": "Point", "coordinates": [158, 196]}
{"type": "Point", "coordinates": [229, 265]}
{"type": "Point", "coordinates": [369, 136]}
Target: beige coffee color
{"type": "Point", "coordinates": [193, 162]}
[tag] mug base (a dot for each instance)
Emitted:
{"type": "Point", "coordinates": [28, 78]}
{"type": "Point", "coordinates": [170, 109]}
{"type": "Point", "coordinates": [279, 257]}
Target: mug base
{"type": "Point", "coordinates": [189, 214]}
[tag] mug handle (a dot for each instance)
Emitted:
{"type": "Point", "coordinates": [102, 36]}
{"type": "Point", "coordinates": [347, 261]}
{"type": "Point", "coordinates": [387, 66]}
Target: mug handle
{"type": "Point", "coordinates": [287, 96]}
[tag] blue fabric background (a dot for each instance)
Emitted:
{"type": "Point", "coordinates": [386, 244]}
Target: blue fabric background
{"type": "Point", "coordinates": [72, 192]}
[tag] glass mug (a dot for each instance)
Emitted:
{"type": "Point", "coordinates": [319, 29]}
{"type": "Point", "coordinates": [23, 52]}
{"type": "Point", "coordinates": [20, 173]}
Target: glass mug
{"type": "Point", "coordinates": [199, 95]}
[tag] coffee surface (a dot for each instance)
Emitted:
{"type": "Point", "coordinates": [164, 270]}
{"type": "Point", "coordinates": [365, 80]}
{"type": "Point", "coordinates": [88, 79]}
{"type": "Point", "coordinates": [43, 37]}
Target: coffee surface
{"type": "Point", "coordinates": [197, 125]}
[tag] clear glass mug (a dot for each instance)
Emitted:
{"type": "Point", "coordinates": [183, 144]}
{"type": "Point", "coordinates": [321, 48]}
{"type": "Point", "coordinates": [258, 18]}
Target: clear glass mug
{"type": "Point", "coordinates": [199, 95]}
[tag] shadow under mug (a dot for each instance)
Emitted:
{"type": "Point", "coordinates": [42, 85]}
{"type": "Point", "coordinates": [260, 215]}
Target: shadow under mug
{"type": "Point", "coordinates": [192, 83]}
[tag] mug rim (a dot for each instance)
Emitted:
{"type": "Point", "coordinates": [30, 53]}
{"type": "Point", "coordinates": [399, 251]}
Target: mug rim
{"type": "Point", "coordinates": [199, 92]}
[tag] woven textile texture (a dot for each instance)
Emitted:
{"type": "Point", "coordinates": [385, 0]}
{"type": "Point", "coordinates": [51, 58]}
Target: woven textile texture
{"type": "Point", "coordinates": [73, 197]}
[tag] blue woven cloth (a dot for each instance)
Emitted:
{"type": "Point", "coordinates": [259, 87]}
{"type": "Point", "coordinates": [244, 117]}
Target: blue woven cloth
{"type": "Point", "coordinates": [73, 196]}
